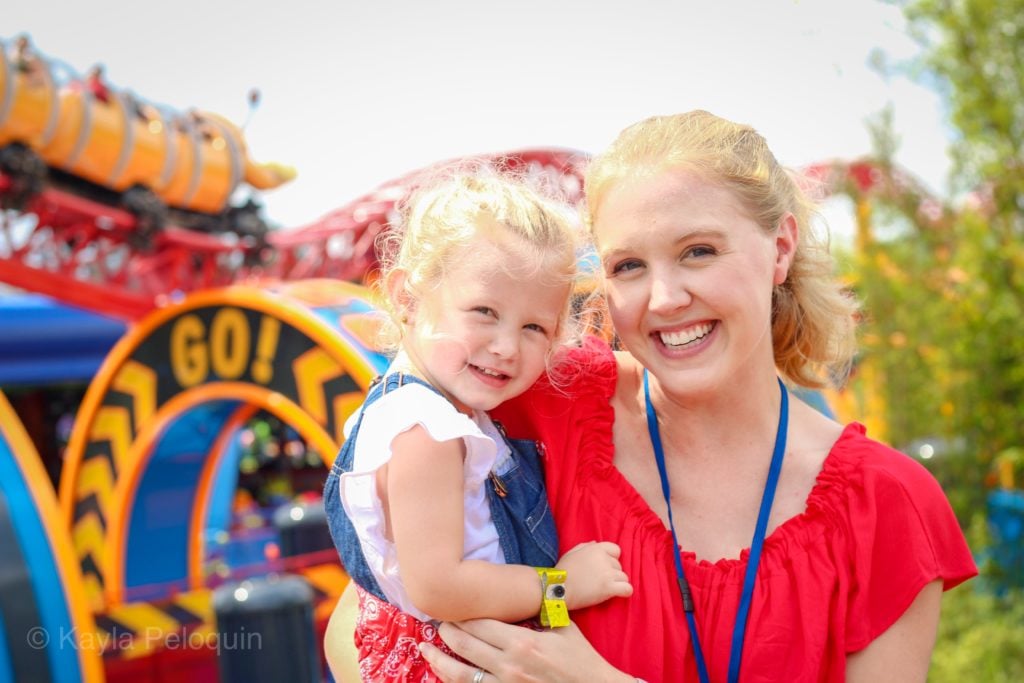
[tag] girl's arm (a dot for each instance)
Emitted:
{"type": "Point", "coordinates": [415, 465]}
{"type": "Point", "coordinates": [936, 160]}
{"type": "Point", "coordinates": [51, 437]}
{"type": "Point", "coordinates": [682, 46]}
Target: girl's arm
{"type": "Point", "coordinates": [424, 504]}
{"type": "Point", "coordinates": [903, 652]}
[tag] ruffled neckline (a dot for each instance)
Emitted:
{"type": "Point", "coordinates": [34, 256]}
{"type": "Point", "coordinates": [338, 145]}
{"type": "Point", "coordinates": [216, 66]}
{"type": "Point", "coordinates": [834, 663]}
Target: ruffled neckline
{"type": "Point", "coordinates": [790, 538]}
{"type": "Point", "coordinates": [805, 529]}
{"type": "Point", "coordinates": [794, 536]}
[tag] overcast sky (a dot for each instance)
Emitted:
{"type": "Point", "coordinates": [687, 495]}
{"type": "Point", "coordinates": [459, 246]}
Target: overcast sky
{"type": "Point", "coordinates": [359, 92]}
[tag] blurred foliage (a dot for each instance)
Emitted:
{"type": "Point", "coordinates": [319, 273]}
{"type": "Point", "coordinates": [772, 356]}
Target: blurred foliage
{"type": "Point", "coordinates": [981, 638]}
{"type": "Point", "coordinates": [975, 48]}
{"type": "Point", "coordinates": [943, 282]}
{"type": "Point", "coordinates": [943, 290]}
{"type": "Point", "coordinates": [981, 633]}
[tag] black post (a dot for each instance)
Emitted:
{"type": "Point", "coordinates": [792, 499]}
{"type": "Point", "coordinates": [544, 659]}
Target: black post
{"type": "Point", "coordinates": [265, 630]}
{"type": "Point", "coordinates": [302, 529]}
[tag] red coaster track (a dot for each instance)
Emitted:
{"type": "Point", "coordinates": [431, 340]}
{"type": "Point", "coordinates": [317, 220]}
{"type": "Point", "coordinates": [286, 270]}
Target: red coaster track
{"type": "Point", "coordinates": [88, 254]}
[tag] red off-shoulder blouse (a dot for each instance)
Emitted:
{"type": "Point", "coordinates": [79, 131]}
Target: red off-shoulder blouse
{"type": "Point", "coordinates": [877, 528]}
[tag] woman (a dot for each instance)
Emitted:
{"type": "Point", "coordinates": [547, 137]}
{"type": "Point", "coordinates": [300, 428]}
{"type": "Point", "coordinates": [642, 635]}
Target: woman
{"type": "Point", "coordinates": [809, 552]}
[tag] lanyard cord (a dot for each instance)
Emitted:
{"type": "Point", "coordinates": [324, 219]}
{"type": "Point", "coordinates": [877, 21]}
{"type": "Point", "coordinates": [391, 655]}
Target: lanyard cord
{"type": "Point", "coordinates": [754, 558]}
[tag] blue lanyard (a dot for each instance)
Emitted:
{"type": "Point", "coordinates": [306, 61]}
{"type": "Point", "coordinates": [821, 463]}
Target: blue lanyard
{"type": "Point", "coordinates": [743, 611]}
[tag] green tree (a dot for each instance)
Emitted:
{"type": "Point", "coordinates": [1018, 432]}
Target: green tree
{"type": "Point", "coordinates": [943, 288]}
{"type": "Point", "coordinates": [943, 284]}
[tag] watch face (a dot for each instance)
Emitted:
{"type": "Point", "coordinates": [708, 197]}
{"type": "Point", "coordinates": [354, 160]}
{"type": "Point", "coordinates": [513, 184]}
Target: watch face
{"type": "Point", "coordinates": [553, 612]}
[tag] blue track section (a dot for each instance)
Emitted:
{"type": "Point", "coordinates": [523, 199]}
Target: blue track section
{"type": "Point", "coordinates": [159, 526]}
{"type": "Point", "coordinates": [6, 667]}
{"type": "Point", "coordinates": [48, 592]}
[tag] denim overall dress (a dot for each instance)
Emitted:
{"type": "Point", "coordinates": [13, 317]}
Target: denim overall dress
{"type": "Point", "coordinates": [517, 500]}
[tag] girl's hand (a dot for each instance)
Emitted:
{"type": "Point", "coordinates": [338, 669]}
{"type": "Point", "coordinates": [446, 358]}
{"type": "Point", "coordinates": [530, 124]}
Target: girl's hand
{"type": "Point", "coordinates": [593, 574]}
{"type": "Point", "coordinates": [514, 654]}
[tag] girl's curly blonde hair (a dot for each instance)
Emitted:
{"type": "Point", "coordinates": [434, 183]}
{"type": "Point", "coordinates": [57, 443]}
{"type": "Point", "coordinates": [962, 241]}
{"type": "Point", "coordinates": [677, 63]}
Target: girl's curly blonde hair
{"type": "Point", "coordinates": [441, 219]}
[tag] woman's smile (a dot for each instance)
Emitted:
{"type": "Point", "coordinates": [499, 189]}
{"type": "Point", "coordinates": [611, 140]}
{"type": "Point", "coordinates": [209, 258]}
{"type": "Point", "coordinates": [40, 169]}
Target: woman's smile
{"type": "Point", "coordinates": [686, 336]}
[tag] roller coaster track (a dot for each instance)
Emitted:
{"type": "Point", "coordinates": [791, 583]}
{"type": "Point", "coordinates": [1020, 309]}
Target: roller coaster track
{"type": "Point", "coordinates": [89, 254]}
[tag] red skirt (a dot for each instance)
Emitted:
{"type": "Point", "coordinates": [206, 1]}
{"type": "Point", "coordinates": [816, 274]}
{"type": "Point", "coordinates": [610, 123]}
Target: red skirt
{"type": "Point", "coordinates": [387, 639]}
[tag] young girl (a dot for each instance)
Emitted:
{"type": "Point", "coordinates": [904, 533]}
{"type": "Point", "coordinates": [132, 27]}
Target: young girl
{"type": "Point", "coordinates": [436, 514]}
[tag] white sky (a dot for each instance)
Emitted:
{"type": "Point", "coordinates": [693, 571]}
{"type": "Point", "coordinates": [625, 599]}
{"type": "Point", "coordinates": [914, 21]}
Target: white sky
{"type": "Point", "coordinates": [356, 92]}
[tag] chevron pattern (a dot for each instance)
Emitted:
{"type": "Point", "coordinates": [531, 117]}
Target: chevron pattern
{"type": "Point", "coordinates": [308, 374]}
{"type": "Point", "coordinates": [313, 369]}
{"type": "Point", "coordinates": [139, 629]}
{"type": "Point", "coordinates": [110, 438]}
{"type": "Point", "coordinates": [139, 382]}
{"type": "Point", "coordinates": [344, 405]}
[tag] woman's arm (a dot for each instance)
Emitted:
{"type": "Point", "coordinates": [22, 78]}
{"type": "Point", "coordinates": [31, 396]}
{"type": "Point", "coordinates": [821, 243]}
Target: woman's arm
{"type": "Point", "coordinates": [903, 652]}
{"type": "Point", "coordinates": [514, 654]}
{"type": "Point", "coordinates": [424, 504]}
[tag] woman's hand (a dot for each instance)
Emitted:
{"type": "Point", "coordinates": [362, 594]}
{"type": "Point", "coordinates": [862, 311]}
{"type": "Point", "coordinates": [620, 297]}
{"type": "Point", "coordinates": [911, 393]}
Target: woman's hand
{"type": "Point", "coordinates": [511, 654]}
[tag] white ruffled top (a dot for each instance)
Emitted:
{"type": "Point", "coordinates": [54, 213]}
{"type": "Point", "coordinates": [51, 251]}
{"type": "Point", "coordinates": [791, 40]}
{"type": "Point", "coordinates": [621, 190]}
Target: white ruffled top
{"type": "Point", "coordinates": [396, 412]}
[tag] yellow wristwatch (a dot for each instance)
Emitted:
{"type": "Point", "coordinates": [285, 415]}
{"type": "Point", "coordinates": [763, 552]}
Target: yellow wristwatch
{"type": "Point", "coordinates": [553, 612]}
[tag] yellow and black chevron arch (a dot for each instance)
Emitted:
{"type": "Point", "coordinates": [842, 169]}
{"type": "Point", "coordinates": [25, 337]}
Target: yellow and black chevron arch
{"type": "Point", "coordinates": [137, 629]}
{"type": "Point", "coordinates": [143, 453]}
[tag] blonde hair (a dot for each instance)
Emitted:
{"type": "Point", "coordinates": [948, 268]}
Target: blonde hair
{"type": "Point", "coordinates": [441, 219]}
{"type": "Point", "coordinates": [813, 318]}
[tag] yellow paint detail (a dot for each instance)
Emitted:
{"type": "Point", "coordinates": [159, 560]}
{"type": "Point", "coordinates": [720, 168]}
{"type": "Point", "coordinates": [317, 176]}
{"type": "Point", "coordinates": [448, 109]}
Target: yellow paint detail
{"type": "Point", "coordinates": [139, 616]}
{"type": "Point", "coordinates": [344, 406]}
{"type": "Point", "coordinates": [93, 592]}
{"type": "Point", "coordinates": [225, 349]}
{"type": "Point", "coordinates": [331, 579]}
{"type": "Point", "coordinates": [153, 628]}
{"type": "Point", "coordinates": [97, 477]}
{"type": "Point", "coordinates": [138, 649]}
{"type": "Point", "coordinates": [189, 361]}
{"type": "Point", "coordinates": [266, 347]}
{"type": "Point", "coordinates": [229, 343]}
{"type": "Point", "coordinates": [113, 423]}
{"type": "Point", "coordinates": [88, 536]}
{"type": "Point", "coordinates": [312, 370]}
{"type": "Point", "coordinates": [138, 381]}
{"type": "Point", "coordinates": [199, 602]}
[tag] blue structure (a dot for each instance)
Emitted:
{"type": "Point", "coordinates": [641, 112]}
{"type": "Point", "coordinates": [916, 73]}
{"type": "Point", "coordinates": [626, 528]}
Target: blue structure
{"type": "Point", "coordinates": [1006, 523]}
{"type": "Point", "coordinates": [43, 342]}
